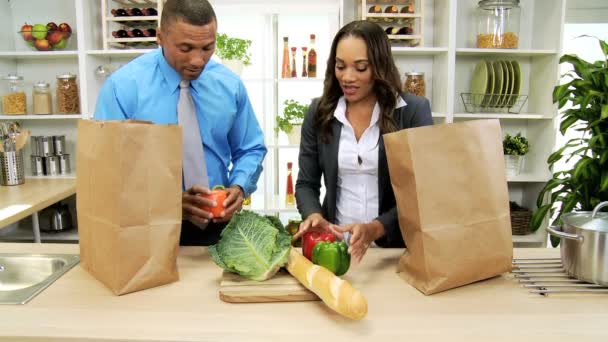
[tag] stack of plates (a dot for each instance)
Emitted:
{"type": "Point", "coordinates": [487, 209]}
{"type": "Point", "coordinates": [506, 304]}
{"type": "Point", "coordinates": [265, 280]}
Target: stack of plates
{"type": "Point", "coordinates": [496, 84]}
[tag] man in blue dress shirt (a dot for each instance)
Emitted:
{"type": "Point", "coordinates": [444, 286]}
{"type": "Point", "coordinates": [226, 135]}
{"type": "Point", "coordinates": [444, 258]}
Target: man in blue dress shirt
{"type": "Point", "coordinates": [147, 88]}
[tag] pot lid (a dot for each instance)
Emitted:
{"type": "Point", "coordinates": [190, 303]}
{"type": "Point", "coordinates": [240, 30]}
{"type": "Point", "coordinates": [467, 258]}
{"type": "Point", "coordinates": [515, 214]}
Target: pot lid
{"type": "Point", "coordinates": [596, 220]}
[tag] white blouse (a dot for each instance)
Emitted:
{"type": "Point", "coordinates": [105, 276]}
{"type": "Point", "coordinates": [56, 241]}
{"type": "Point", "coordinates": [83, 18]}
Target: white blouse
{"type": "Point", "coordinates": [357, 197]}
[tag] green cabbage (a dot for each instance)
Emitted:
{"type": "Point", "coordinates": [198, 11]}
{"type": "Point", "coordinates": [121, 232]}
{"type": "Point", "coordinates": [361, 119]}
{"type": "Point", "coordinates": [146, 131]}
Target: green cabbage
{"type": "Point", "coordinates": [252, 245]}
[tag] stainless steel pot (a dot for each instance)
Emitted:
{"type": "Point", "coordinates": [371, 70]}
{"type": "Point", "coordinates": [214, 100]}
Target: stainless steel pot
{"type": "Point", "coordinates": [584, 245]}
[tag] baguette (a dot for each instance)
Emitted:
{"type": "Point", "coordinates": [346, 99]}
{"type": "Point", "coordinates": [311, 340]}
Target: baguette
{"type": "Point", "coordinates": [337, 293]}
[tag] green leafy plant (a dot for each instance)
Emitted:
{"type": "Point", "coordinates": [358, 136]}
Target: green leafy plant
{"type": "Point", "coordinates": [233, 48]}
{"type": "Point", "coordinates": [586, 184]}
{"type": "Point", "coordinates": [293, 114]}
{"type": "Point", "coordinates": [515, 145]}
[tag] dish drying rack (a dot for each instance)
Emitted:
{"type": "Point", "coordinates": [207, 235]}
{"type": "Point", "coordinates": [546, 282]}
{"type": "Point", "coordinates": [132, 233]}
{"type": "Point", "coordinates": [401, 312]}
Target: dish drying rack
{"type": "Point", "coordinates": [493, 103]}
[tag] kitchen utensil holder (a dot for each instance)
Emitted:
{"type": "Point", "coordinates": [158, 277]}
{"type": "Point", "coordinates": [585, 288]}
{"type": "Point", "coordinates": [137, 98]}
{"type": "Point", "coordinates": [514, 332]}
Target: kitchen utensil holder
{"type": "Point", "coordinates": [493, 103]}
{"type": "Point", "coordinates": [11, 168]}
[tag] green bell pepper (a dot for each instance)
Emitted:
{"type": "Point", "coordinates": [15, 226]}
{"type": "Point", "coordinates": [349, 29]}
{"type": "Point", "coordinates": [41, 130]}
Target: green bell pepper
{"type": "Point", "coordinates": [332, 255]}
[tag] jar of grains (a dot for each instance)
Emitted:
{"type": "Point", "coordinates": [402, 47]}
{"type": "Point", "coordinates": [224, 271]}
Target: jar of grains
{"type": "Point", "coordinates": [414, 83]}
{"type": "Point", "coordinates": [13, 100]}
{"type": "Point", "coordinates": [41, 98]}
{"type": "Point", "coordinates": [498, 24]}
{"type": "Point", "coordinates": [68, 101]}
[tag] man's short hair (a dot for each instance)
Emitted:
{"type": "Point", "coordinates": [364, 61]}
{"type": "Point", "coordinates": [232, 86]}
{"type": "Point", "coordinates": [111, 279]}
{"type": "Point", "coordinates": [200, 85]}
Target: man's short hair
{"type": "Point", "coordinates": [193, 12]}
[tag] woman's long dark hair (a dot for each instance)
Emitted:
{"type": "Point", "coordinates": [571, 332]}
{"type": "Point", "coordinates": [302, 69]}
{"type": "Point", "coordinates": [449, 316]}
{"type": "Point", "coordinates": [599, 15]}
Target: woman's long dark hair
{"type": "Point", "coordinates": [387, 83]}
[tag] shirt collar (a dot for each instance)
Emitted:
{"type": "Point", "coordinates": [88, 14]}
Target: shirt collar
{"type": "Point", "coordinates": [171, 76]}
{"type": "Point", "coordinates": [340, 112]}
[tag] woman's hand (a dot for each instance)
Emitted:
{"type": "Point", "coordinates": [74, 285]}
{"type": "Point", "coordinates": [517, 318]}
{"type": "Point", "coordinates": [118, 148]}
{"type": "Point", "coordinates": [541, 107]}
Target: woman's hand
{"type": "Point", "coordinates": [363, 234]}
{"type": "Point", "coordinates": [316, 222]}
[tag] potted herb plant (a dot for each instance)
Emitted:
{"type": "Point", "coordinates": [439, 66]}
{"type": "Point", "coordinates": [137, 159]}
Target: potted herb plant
{"type": "Point", "coordinates": [585, 184]}
{"type": "Point", "coordinates": [291, 120]}
{"type": "Point", "coordinates": [234, 52]}
{"type": "Point", "coordinates": [514, 148]}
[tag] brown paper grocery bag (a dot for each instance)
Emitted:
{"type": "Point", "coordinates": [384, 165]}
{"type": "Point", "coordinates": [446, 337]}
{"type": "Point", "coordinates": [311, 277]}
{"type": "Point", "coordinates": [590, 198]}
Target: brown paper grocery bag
{"type": "Point", "coordinates": [129, 202]}
{"type": "Point", "coordinates": [453, 203]}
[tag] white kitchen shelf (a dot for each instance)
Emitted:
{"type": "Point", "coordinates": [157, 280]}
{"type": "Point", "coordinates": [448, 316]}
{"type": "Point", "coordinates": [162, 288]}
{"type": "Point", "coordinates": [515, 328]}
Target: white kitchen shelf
{"type": "Point", "coordinates": [38, 54]}
{"type": "Point", "coordinates": [521, 116]}
{"type": "Point", "coordinates": [71, 175]}
{"type": "Point", "coordinates": [132, 40]}
{"type": "Point", "coordinates": [535, 239]}
{"type": "Point", "coordinates": [503, 52]}
{"type": "Point", "coordinates": [530, 178]}
{"type": "Point", "coordinates": [418, 51]}
{"type": "Point", "coordinates": [41, 117]}
{"type": "Point", "coordinates": [300, 80]}
{"type": "Point", "coordinates": [119, 53]}
{"type": "Point", "coordinates": [150, 18]}
{"type": "Point", "coordinates": [135, 2]}
{"type": "Point", "coordinates": [282, 146]}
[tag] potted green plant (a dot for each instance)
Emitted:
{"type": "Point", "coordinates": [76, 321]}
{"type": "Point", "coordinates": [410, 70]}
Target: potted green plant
{"type": "Point", "coordinates": [514, 148]}
{"type": "Point", "coordinates": [585, 184]}
{"type": "Point", "coordinates": [291, 120]}
{"type": "Point", "coordinates": [234, 52]}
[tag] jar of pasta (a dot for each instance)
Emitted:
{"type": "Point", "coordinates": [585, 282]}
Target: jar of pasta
{"type": "Point", "coordinates": [414, 83]}
{"type": "Point", "coordinates": [13, 100]}
{"type": "Point", "coordinates": [68, 101]}
{"type": "Point", "coordinates": [498, 24]}
{"type": "Point", "coordinates": [41, 98]}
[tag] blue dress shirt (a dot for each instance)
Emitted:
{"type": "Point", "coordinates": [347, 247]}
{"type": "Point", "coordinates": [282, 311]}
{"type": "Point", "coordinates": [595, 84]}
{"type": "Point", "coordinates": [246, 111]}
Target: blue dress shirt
{"type": "Point", "coordinates": [147, 88]}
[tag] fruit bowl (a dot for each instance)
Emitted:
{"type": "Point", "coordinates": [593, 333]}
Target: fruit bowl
{"type": "Point", "coordinates": [46, 37]}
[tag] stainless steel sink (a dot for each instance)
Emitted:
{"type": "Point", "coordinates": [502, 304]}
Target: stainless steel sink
{"type": "Point", "coordinates": [23, 276]}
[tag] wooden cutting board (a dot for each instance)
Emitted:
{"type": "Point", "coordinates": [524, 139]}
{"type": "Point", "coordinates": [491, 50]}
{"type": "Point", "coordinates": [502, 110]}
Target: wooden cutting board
{"type": "Point", "coordinates": [283, 287]}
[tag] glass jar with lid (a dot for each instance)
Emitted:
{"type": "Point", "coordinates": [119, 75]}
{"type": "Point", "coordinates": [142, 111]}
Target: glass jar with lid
{"type": "Point", "coordinates": [68, 100]}
{"type": "Point", "coordinates": [498, 24]}
{"type": "Point", "coordinates": [41, 98]}
{"type": "Point", "coordinates": [414, 83]}
{"type": "Point", "coordinates": [13, 99]}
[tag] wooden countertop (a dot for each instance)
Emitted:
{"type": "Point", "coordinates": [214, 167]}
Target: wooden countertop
{"type": "Point", "coordinates": [19, 201]}
{"type": "Point", "coordinates": [77, 307]}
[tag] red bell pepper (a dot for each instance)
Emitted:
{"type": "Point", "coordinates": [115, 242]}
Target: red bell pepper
{"type": "Point", "coordinates": [310, 239]}
{"type": "Point", "coordinates": [218, 195]}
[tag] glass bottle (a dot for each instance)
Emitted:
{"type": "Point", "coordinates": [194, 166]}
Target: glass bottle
{"type": "Point", "coordinates": [414, 83]}
{"type": "Point", "coordinates": [294, 73]}
{"type": "Point", "coordinates": [290, 198]}
{"type": "Point", "coordinates": [13, 101]}
{"type": "Point", "coordinates": [68, 100]}
{"type": "Point", "coordinates": [285, 70]}
{"type": "Point", "coordinates": [41, 98]}
{"type": "Point", "coordinates": [304, 68]}
{"type": "Point", "coordinates": [312, 58]}
{"type": "Point", "coordinates": [498, 24]}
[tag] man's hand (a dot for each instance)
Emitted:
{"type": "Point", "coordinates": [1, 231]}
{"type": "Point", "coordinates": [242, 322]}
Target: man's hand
{"type": "Point", "coordinates": [232, 204]}
{"type": "Point", "coordinates": [192, 203]}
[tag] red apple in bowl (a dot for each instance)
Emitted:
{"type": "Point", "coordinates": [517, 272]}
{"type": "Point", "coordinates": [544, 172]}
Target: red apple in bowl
{"type": "Point", "coordinates": [66, 29]}
{"type": "Point", "coordinates": [26, 32]}
{"type": "Point", "coordinates": [54, 37]}
{"type": "Point", "coordinates": [52, 27]}
{"type": "Point", "coordinates": [42, 45]}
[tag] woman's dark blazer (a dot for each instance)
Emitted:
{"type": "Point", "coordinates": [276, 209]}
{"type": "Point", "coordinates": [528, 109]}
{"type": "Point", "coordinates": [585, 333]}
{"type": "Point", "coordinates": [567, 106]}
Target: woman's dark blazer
{"type": "Point", "coordinates": [318, 159]}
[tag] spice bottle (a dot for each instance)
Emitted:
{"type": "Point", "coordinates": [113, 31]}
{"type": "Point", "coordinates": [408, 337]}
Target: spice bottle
{"type": "Point", "coordinates": [498, 24]}
{"type": "Point", "coordinates": [312, 58]}
{"type": "Point", "coordinates": [414, 83]}
{"type": "Point", "coordinates": [285, 69]}
{"type": "Point", "coordinates": [304, 67]}
{"type": "Point", "coordinates": [13, 101]}
{"type": "Point", "coordinates": [294, 73]}
{"type": "Point", "coordinates": [41, 98]}
{"type": "Point", "coordinates": [68, 101]}
{"type": "Point", "coordinates": [290, 198]}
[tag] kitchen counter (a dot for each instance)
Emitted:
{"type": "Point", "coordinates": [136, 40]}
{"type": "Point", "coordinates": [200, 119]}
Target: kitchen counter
{"type": "Point", "coordinates": [77, 307]}
{"type": "Point", "coordinates": [19, 201]}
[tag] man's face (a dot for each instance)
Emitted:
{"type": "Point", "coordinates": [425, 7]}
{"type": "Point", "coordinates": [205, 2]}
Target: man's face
{"type": "Point", "coordinates": [188, 48]}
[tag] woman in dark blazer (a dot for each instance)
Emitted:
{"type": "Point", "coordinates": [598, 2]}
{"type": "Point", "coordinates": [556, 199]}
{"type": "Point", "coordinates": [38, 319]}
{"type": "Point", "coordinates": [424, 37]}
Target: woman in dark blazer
{"type": "Point", "coordinates": [342, 141]}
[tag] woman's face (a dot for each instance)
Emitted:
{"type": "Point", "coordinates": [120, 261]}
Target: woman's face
{"type": "Point", "coordinates": [353, 69]}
